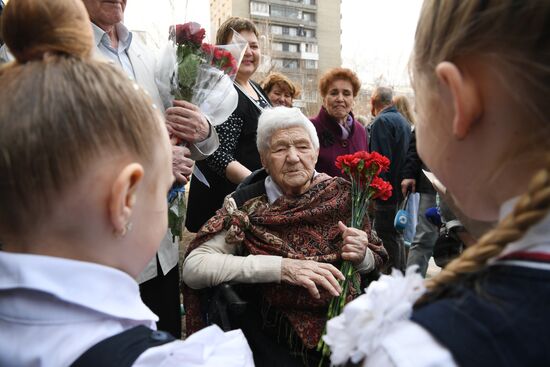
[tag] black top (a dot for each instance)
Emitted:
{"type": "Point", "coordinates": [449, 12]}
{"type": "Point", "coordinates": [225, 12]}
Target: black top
{"type": "Point", "coordinates": [123, 349]}
{"type": "Point", "coordinates": [237, 143]}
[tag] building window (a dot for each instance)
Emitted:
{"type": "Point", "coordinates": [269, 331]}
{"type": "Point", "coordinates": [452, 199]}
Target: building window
{"type": "Point", "coordinates": [310, 17]}
{"type": "Point", "coordinates": [259, 8]}
{"type": "Point", "coordinates": [310, 33]}
{"type": "Point", "coordinates": [285, 12]}
{"type": "Point", "coordinates": [311, 64]}
{"type": "Point", "coordinates": [277, 46]}
{"type": "Point", "coordinates": [290, 64]}
{"type": "Point", "coordinates": [278, 63]}
{"type": "Point", "coordinates": [311, 47]}
{"type": "Point", "coordinates": [285, 63]}
{"type": "Point", "coordinates": [290, 47]}
{"type": "Point", "coordinates": [277, 29]}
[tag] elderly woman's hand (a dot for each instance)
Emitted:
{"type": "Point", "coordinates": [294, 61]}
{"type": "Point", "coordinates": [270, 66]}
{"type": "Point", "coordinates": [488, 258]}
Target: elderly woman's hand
{"type": "Point", "coordinates": [186, 122]}
{"type": "Point", "coordinates": [310, 274]}
{"type": "Point", "coordinates": [355, 244]}
{"type": "Point", "coordinates": [182, 165]}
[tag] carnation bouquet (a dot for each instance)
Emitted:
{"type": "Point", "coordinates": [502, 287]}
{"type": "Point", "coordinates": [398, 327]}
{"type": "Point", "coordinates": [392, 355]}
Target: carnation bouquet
{"type": "Point", "coordinates": [363, 170]}
{"type": "Point", "coordinates": [203, 74]}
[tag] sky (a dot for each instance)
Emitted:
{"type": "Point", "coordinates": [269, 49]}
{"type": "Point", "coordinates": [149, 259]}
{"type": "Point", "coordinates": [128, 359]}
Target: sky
{"type": "Point", "coordinates": [377, 38]}
{"type": "Point", "coordinates": [377, 35]}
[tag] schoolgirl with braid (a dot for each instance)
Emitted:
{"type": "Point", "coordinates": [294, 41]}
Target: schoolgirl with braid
{"type": "Point", "coordinates": [481, 75]}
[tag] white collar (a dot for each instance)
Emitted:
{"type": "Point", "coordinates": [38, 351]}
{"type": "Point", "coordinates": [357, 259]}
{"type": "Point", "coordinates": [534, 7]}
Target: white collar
{"type": "Point", "coordinates": [536, 239]}
{"type": "Point", "coordinates": [90, 285]}
{"type": "Point", "coordinates": [273, 190]}
{"type": "Point", "coordinates": [124, 35]}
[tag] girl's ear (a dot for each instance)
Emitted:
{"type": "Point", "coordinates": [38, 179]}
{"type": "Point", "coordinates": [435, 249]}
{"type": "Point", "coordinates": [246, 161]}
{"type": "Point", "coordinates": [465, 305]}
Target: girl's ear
{"type": "Point", "coordinates": [466, 98]}
{"type": "Point", "coordinates": [123, 197]}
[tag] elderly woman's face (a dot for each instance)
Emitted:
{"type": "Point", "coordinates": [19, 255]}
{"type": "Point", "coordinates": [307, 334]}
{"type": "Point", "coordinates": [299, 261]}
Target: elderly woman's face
{"type": "Point", "coordinates": [339, 99]}
{"type": "Point", "coordinates": [279, 95]}
{"type": "Point", "coordinates": [290, 160]}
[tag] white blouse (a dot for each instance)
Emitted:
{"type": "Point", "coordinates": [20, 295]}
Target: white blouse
{"type": "Point", "coordinates": [53, 309]}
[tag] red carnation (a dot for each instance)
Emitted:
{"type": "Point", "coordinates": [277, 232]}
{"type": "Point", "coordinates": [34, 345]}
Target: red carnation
{"type": "Point", "coordinates": [362, 168]}
{"type": "Point", "coordinates": [382, 189]}
{"type": "Point", "coordinates": [382, 163]}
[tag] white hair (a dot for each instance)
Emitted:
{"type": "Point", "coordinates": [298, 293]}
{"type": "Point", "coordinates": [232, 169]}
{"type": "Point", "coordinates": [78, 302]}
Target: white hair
{"type": "Point", "coordinates": [281, 117]}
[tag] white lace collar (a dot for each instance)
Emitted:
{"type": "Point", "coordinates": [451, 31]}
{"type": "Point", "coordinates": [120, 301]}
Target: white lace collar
{"type": "Point", "coordinates": [273, 190]}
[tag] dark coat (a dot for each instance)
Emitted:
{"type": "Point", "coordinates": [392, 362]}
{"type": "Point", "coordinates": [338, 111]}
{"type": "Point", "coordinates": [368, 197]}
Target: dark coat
{"type": "Point", "coordinates": [390, 135]}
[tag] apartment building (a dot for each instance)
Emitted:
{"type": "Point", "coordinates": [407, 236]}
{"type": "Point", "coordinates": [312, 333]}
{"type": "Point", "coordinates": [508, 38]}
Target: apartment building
{"type": "Point", "coordinates": [300, 38]}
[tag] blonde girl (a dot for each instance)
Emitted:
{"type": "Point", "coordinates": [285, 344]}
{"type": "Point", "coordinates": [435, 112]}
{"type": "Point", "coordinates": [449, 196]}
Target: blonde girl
{"type": "Point", "coordinates": [481, 75]}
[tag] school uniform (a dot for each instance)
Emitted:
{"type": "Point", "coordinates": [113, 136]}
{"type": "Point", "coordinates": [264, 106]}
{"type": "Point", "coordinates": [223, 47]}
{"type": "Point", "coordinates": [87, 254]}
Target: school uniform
{"type": "Point", "coordinates": [53, 309]}
{"type": "Point", "coordinates": [502, 322]}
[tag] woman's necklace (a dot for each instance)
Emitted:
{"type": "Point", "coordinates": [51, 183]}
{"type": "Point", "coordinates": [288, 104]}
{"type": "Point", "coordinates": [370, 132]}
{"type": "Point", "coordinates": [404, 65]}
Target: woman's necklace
{"type": "Point", "coordinates": [259, 103]}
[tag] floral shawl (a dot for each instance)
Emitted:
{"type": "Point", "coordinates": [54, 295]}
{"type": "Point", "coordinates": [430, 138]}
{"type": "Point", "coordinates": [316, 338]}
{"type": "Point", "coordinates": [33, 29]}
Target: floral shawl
{"type": "Point", "coordinates": [304, 227]}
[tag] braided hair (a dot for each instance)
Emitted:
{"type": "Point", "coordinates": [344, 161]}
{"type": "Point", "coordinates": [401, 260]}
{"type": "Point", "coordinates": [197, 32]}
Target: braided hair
{"type": "Point", "coordinates": [454, 29]}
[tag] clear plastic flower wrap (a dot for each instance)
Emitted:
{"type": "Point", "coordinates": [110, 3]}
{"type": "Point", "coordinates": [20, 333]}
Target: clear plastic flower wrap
{"type": "Point", "coordinates": [203, 74]}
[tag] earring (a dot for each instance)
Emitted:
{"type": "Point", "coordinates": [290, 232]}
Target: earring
{"type": "Point", "coordinates": [127, 228]}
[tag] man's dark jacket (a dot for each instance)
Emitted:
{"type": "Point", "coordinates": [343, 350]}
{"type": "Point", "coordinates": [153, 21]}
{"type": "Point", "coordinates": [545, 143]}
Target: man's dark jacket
{"type": "Point", "coordinates": [390, 135]}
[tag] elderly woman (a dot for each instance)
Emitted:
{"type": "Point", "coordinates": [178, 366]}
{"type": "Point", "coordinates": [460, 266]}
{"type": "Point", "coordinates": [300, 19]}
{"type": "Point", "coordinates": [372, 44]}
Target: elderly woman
{"type": "Point", "coordinates": [280, 90]}
{"type": "Point", "coordinates": [283, 231]}
{"type": "Point", "coordinates": [339, 133]}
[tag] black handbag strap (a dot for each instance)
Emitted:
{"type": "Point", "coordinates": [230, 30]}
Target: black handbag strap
{"type": "Point", "coordinates": [403, 204]}
{"type": "Point", "coordinates": [123, 349]}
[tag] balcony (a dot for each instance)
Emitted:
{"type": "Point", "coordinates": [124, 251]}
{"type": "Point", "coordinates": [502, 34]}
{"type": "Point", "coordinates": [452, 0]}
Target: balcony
{"type": "Point", "coordinates": [286, 54]}
{"type": "Point", "coordinates": [294, 4]}
{"type": "Point", "coordinates": [258, 13]}
{"type": "Point", "coordinates": [285, 21]}
{"type": "Point", "coordinates": [287, 37]}
{"type": "Point", "coordinates": [309, 56]}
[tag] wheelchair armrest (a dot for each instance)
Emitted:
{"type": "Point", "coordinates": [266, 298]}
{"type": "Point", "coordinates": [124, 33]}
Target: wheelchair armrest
{"type": "Point", "coordinates": [235, 304]}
